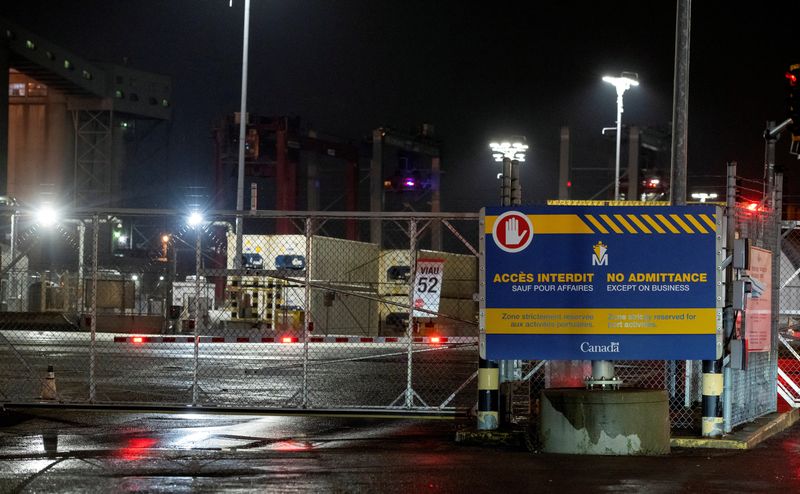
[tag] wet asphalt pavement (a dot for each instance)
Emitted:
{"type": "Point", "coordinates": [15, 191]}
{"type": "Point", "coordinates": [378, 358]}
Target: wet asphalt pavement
{"type": "Point", "coordinates": [235, 374]}
{"type": "Point", "coordinates": [100, 451]}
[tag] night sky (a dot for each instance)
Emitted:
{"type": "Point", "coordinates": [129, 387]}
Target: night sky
{"type": "Point", "coordinates": [475, 70]}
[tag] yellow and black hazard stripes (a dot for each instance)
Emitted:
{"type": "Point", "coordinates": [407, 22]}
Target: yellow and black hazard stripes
{"type": "Point", "coordinates": [488, 395]}
{"type": "Point", "coordinates": [649, 224]}
{"type": "Point", "coordinates": [598, 226]}
{"type": "Point", "coordinates": [638, 222]}
{"type": "Point", "coordinates": [713, 384]}
{"type": "Point", "coordinates": [656, 226]}
{"type": "Point", "coordinates": [613, 223]}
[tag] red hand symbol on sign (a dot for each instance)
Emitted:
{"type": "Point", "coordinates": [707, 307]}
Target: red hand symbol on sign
{"type": "Point", "coordinates": [513, 237]}
{"type": "Point", "coordinates": [512, 231]}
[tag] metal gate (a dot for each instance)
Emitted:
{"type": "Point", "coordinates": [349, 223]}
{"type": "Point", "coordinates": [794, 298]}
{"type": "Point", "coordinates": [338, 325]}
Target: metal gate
{"type": "Point", "coordinates": [156, 308]}
{"type": "Point", "coordinates": [788, 385]}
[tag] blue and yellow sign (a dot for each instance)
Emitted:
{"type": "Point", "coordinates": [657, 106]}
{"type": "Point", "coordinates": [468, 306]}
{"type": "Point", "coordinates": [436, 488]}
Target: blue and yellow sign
{"type": "Point", "coordinates": [601, 283]}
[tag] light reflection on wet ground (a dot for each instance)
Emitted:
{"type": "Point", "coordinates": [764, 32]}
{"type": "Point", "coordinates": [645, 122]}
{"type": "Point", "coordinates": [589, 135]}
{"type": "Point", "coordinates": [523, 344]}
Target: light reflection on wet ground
{"type": "Point", "coordinates": [59, 451]}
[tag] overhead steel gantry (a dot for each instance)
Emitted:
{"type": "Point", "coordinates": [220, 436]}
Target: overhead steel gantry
{"type": "Point", "coordinates": [94, 93]}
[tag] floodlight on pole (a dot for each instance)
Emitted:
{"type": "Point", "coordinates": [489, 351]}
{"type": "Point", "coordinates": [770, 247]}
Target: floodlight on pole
{"type": "Point", "coordinates": [704, 196]}
{"type": "Point", "coordinates": [195, 219]}
{"type": "Point", "coordinates": [622, 83]}
{"type": "Point", "coordinates": [512, 150]}
{"type": "Point", "coordinates": [510, 153]}
{"type": "Point", "coordinates": [46, 215]}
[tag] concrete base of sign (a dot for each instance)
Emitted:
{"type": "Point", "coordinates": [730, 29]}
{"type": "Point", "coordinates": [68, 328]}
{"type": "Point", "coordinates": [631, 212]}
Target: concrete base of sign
{"type": "Point", "coordinates": [605, 422]}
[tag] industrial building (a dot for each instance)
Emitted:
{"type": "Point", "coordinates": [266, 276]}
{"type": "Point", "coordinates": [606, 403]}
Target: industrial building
{"type": "Point", "coordinates": [68, 121]}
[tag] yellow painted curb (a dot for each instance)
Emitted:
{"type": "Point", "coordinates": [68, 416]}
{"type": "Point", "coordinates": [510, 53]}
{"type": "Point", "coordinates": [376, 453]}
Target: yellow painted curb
{"type": "Point", "coordinates": [776, 425]}
{"type": "Point", "coordinates": [706, 442]}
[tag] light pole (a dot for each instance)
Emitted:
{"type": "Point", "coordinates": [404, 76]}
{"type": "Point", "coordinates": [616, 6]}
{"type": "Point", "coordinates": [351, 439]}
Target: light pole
{"type": "Point", "coordinates": [242, 129]}
{"type": "Point", "coordinates": [510, 153]}
{"type": "Point", "coordinates": [624, 82]}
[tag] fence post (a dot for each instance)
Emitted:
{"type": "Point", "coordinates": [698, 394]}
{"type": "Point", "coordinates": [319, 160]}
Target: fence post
{"type": "Point", "coordinates": [12, 278]}
{"type": "Point", "coordinates": [81, 266]}
{"type": "Point", "coordinates": [196, 305]}
{"type": "Point", "coordinates": [93, 311]}
{"type": "Point", "coordinates": [412, 247]}
{"type": "Point", "coordinates": [307, 314]}
{"type": "Point", "coordinates": [776, 277]}
{"type": "Point", "coordinates": [710, 426]}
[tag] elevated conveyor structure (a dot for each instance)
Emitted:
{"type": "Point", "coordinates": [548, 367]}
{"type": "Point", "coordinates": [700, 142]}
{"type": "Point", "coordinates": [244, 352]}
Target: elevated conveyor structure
{"type": "Point", "coordinates": [78, 109]}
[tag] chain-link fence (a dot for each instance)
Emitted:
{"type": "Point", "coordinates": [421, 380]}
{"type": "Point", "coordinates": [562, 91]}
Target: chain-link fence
{"type": "Point", "coordinates": [139, 307]}
{"type": "Point", "coordinates": [315, 313]}
{"type": "Point", "coordinates": [750, 391]}
{"type": "Point", "coordinates": [789, 318]}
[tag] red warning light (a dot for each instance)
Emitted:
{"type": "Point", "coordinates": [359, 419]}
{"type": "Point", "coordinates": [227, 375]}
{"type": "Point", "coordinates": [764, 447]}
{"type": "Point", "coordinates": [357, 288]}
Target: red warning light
{"type": "Point", "coordinates": [138, 339]}
{"type": "Point", "coordinates": [286, 339]}
{"type": "Point", "coordinates": [792, 78]}
{"type": "Point", "coordinates": [435, 339]}
{"type": "Point", "coordinates": [569, 183]}
{"type": "Point", "coordinates": [752, 206]}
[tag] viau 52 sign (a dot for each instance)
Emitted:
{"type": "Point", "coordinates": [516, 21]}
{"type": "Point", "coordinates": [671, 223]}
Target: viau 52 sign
{"type": "Point", "coordinates": [600, 282]}
{"type": "Point", "coordinates": [427, 287]}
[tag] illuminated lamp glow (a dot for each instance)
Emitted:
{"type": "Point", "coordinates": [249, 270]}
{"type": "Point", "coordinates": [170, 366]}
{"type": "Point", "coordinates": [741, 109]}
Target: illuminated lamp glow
{"type": "Point", "coordinates": [286, 339]}
{"type": "Point", "coordinates": [436, 339]}
{"type": "Point", "coordinates": [138, 339]}
{"type": "Point", "coordinates": [752, 206]}
{"type": "Point", "coordinates": [46, 216]}
{"type": "Point", "coordinates": [195, 219]}
{"type": "Point", "coordinates": [409, 182]}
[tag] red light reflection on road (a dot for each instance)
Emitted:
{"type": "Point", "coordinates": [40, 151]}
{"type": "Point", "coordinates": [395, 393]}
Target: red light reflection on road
{"type": "Point", "coordinates": [290, 445]}
{"type": "Point", "coordinates": [136, 447]}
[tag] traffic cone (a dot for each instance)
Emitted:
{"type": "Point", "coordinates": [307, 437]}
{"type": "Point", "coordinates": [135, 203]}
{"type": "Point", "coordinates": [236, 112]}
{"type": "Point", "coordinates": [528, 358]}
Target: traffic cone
{"type": "Point", "coordinates": [49, 385]}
